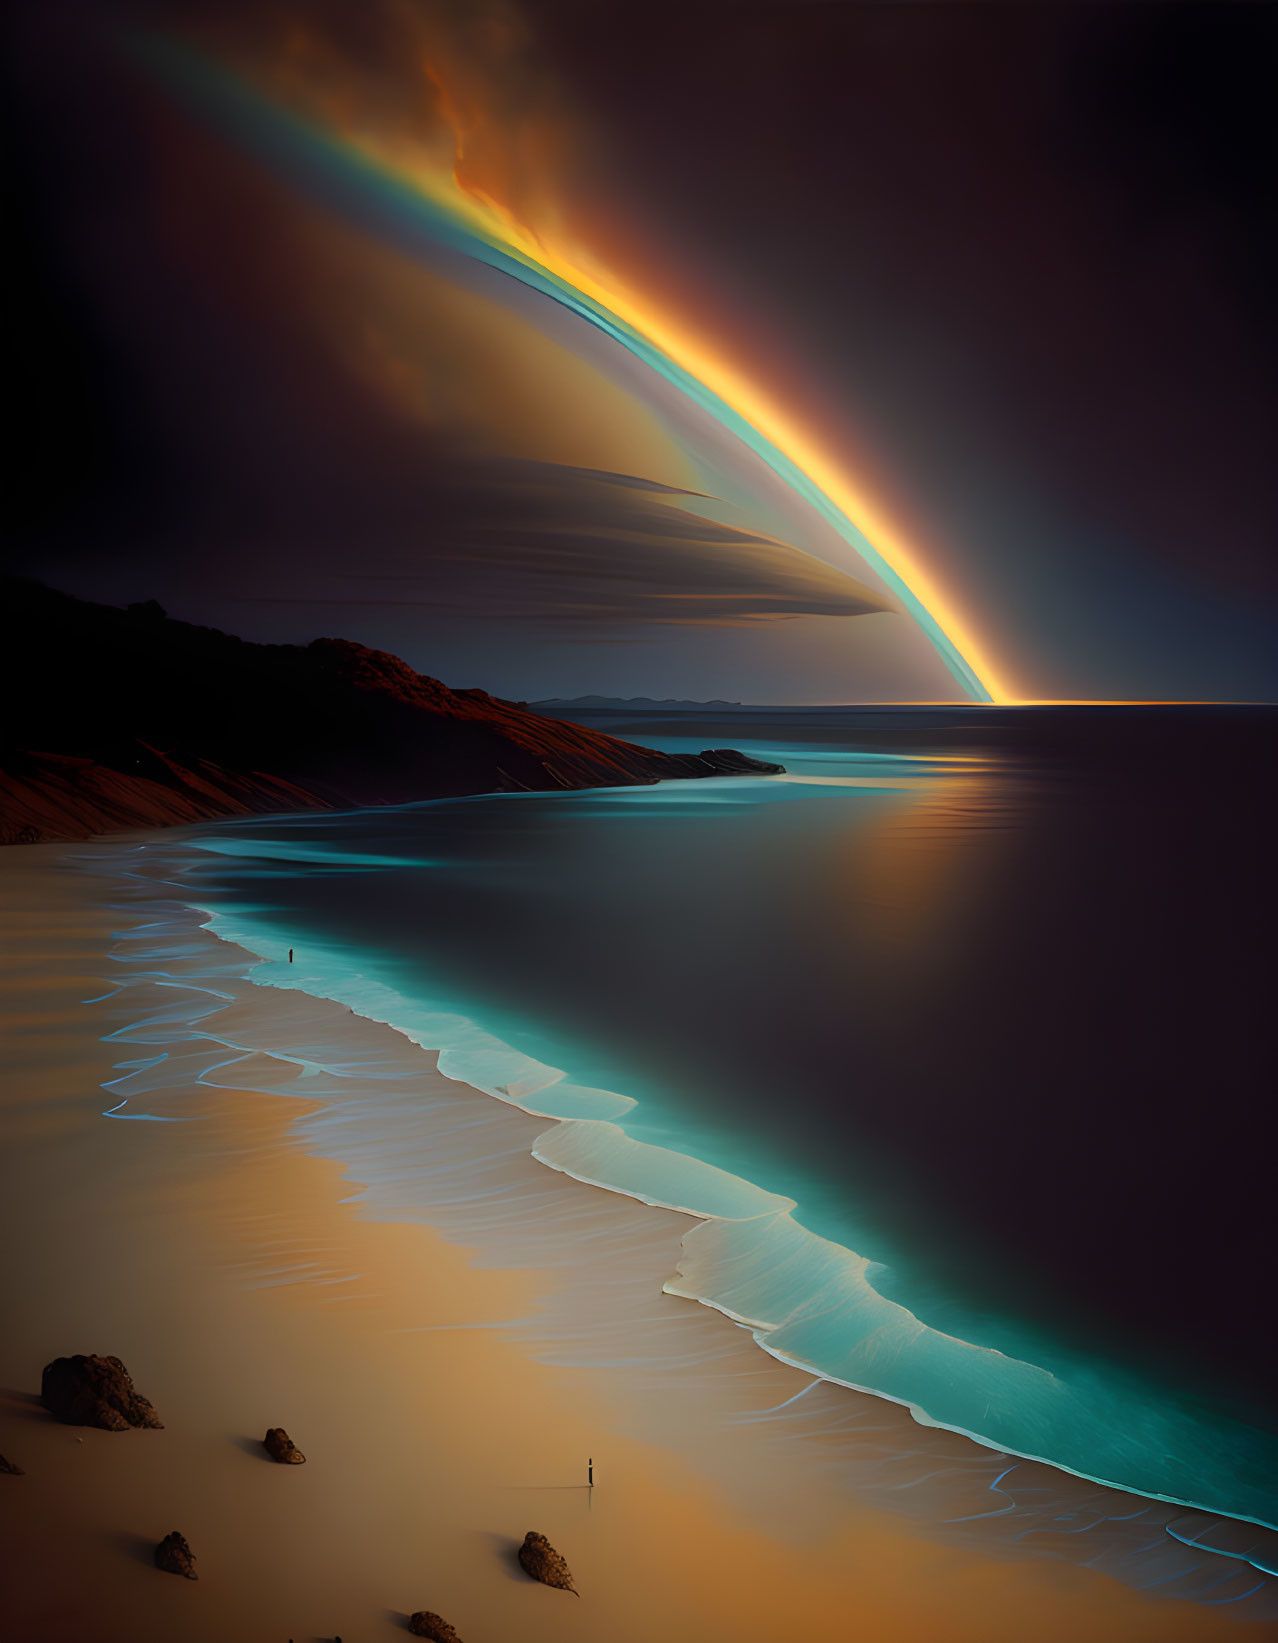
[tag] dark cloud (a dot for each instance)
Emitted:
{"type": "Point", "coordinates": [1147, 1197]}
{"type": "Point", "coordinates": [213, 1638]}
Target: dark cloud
{"type": "Point", "coordinates": [561, 547]}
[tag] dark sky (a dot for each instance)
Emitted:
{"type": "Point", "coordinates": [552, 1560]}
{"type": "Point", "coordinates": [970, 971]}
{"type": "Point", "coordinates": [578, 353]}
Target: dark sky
{"type": "Point", "coordinates": [1016, 263]}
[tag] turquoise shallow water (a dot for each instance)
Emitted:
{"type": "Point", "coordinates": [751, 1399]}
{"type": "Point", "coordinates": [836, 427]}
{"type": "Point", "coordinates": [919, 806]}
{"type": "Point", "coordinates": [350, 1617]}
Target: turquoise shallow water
{"type": "Point", "coordinates": [749, 1000]}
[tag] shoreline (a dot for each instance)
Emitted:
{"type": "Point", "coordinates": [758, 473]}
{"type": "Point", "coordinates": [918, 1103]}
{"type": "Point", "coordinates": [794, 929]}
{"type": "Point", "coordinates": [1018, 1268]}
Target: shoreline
{"type": "Point", "coordinates": [585, 1131]}
{"type": "Point", "coordinates": [674, 1392]}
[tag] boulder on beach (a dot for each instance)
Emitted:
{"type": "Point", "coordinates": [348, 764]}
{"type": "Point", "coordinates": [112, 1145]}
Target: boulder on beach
{"type": "Point", "coordinates": [94, 1391]}
{"type": "Point", "coordinates": [539, 1559]}
{"type": "Point", "coordinates": [280, 1447]}
{"type": "Point", "coordinates": [11, 1468]}
{"type": "Point", "coordinates": [175, 1557]}
{"type": "Point", "coordinates": [427, 1624]}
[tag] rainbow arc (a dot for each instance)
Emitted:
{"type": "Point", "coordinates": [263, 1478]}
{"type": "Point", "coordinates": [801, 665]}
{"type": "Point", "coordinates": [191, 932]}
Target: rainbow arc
{"type": "Point", "coordinates": [405, 205]}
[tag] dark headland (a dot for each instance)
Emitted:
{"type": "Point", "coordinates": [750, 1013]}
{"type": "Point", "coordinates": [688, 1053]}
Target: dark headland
{"type": "Point", "coordinates": [127, 718]}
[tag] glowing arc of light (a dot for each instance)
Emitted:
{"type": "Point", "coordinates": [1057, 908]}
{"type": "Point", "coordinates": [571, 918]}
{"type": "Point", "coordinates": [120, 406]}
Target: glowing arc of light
{"type": "Point", "coordinates": [400, 198]}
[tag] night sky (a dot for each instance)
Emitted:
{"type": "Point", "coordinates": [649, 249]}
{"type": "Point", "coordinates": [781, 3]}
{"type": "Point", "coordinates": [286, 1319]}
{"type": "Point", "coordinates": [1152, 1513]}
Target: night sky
{"type": "Point", "coordinates": [1006, 273]}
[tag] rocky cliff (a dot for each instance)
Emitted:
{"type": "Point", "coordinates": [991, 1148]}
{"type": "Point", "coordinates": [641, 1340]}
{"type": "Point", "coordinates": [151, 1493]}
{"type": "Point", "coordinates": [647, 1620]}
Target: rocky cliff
{"type": "Point", "coordinates": [126, 718]}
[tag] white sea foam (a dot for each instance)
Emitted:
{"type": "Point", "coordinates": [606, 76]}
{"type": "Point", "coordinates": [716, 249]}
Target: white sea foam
{"type": "Point", "coordinates": [806, 1300]}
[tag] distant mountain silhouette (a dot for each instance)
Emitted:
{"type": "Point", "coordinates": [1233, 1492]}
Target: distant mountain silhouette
{"type": "Point", "coordinates": [626, 701]}
{"type": "Point", "coordinates": [127, 719]}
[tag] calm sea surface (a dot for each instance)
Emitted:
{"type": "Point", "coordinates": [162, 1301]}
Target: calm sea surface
{"type": "Point", "coordinates": [985, 993]}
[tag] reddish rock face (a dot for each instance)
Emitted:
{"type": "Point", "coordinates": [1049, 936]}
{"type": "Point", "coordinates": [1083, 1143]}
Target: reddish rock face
{"type": "Point", "coordinates": [427, 1624]}
{"type": "Point", "coordinates": [175, 1556]}
{"type": "Point", "coordinates": [540, 1560]}
{"type": "Point", "coordinates": [280, 1447]}
{"type": "Point", "coordinates": [93, 1391]}
{"type": "Point", "coordinates": [198, 724]}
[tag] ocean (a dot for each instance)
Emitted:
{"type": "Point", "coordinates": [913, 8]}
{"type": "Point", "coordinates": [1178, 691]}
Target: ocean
{"type": "Point", "coordinates": [955, 1037]}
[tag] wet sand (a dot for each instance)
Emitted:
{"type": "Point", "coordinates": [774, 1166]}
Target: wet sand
{"type": "Point", "coordinates": [434, 1388]}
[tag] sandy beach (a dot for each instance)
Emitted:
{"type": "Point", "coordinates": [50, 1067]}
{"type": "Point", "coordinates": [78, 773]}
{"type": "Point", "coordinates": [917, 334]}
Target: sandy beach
{"type": "Point", "coordinates": [447, 1370]}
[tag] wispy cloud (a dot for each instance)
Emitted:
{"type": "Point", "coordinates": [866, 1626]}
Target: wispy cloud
{"type": "Point", "coordinates": [539, 543]}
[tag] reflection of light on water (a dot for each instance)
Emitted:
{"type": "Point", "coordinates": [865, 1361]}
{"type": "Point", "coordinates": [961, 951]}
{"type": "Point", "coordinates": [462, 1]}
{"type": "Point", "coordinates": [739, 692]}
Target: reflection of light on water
{"type": "Point", "coordinates": [434, 1156]}
{"type": "Point", "coordinates": [292, 850]}
{"type": "Point", "coordinates": [906, 872]}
